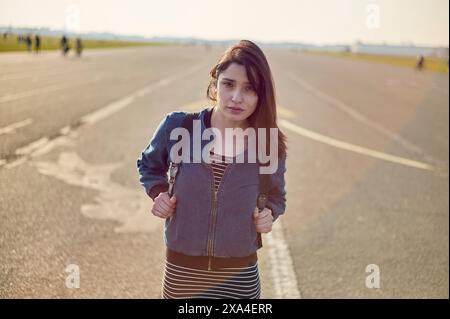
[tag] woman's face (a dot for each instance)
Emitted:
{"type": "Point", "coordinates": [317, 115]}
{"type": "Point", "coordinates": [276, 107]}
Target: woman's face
{"type": "Point", "coordinates": [236, 98]}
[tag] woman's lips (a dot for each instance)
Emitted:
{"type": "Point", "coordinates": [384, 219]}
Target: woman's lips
{"type": "Point", "coordinates": [235, 110]}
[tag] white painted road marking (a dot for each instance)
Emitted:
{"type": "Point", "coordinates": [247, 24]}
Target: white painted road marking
{"type": "Point", "coordinates": [46, 89]}
{"type": "Point", "coordinates": [353, 148]}
{"type": "Point", "coordinates": [26, 150]}
{"type": "Point", "coordinates": [44, 144]}
{"type": "Point", "coordinates": [133, 217]}
{"type": "Point", "coordinates": [285, 112]}
{"type": "Point", "coordinates": [113, 201]}
{"type": "Point", "coordinates": [282, 271]}
{"type": "Point", "coordinates": [354, 114]}
{"type": "Point", "coordinates": [21, 95]}
{"type": "Point", "coordinates": [13, 127]}
{"type": "Point", "coordinates": [116, 106]}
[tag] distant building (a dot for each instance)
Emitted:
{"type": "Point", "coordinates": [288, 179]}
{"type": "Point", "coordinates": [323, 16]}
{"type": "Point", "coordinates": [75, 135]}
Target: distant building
{"type": "Point", "coordinates": [441, 52]}
{"type": "Point", "coordinates": [402, 50]}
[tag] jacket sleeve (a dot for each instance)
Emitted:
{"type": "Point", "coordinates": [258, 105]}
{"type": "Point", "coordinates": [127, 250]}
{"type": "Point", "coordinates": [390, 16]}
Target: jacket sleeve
{"type": "Point", "coordinates": [276, 200]}
{"type": "Point", "coordinates": [153, 163]}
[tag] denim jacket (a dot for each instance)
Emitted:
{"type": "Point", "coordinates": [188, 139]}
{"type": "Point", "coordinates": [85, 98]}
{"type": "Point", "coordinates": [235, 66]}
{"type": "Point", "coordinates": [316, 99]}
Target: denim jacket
{"type": "Point", "coordinates": [206, 222]}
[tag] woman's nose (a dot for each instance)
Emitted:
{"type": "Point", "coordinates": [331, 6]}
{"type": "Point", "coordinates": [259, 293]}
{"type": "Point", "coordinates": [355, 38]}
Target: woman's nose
{"type": "Point", "coordinates": [236, 96]}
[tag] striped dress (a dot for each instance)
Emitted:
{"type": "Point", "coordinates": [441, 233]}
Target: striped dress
{"type": "Point", "coordinates": [183, 282]}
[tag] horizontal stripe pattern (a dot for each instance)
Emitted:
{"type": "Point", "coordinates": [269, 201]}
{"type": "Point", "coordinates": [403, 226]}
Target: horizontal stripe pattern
{"type": "Point", "coordinates": [182, 282]}
{"type": "Point", "coordinates": [228, 283]}
{"type": "Point", "coordinates": [218, 163]}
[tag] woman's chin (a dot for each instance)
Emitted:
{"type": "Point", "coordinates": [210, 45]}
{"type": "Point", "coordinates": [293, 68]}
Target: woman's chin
{"type": "Point", "coordinates": [238, 118]}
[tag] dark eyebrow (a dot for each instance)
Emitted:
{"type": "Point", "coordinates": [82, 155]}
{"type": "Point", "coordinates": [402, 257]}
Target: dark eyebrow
{"type": "Point", "coordinates": [227, 79]}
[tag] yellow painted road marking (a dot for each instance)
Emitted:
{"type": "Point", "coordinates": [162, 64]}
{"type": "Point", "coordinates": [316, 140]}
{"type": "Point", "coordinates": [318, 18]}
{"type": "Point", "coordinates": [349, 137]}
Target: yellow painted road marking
{"type": "Point", "coordinates": [285, 112]}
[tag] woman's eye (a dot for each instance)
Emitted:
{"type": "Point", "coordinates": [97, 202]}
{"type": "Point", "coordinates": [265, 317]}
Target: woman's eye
{"type": "Point", "coordinates": [227, 84]}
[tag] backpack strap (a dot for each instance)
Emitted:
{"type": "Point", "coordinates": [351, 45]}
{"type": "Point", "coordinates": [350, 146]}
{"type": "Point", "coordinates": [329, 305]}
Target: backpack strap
{"type": "Point", "coordinates": [261, 202]}
{"type": "Point", "coordinates": [264, 179]}
{"type": "Point", "coordinates": [187, 123]}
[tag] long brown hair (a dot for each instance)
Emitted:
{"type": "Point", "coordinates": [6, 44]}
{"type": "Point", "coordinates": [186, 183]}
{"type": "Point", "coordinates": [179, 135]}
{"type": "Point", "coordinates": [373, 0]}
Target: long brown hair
{"type": "Point", "coordinates": [249, 55]}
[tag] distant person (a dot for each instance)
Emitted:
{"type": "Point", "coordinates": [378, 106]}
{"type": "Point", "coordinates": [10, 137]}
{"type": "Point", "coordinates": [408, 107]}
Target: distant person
{"type": "Point", "coordinates": [28, 42]}
{"type": "Point", "coordinates": [37, 43]}
{"type": "Point", "coordinates": [78, 46]}
{"type": "Point", "coordinates": [420, 62]}
{"type": "Point", "coordinates": [64, 45]}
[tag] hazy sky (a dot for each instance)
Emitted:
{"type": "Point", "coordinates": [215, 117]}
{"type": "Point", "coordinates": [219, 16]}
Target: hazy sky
{"type": "Point", "coordinates": [422, 22]}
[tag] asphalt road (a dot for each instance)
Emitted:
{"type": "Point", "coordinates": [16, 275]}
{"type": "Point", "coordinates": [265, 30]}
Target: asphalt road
{"type": "Point", "coordinates": [367, 177]}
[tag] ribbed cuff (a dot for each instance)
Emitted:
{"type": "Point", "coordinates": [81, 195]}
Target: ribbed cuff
{"type": "Point", "coordinates": [274, 214]}
{"type": "Point", "coordinates": [157, 189]}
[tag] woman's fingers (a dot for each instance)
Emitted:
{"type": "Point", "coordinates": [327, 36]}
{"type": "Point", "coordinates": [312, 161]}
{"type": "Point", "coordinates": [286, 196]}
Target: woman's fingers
{"type": "Point", "coordinates": [263, 223]}
{"type": "Point", "coordinates": [265, 214]}
{"type": "Point", "coordinates": [156, 212]}
{"type": "Point", "coordinates": [264, 229]}
{"type": "Point", "coordinates": [164, 196]}
{"type": "Point", "coordinates": [268, 213]}
{"type": "Point", "coordinates": [164, 206]}
{"type": "Point", "coordinates": [263, 220]}
{"type": "Point", "coordinates": [160, 211]}
{"type": "Point", "coordinates": [263, 217]}
{"type": "Point", "coordinates": [162, 214]}
{"type": "Point", "coordinates": [168, 202]}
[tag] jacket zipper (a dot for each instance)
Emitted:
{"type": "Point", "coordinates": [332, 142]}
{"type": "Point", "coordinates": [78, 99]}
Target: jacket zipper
{"type": "Point", "coordinates": [211, 228]}
{"type": "Point", "coordinates": [213, 216]}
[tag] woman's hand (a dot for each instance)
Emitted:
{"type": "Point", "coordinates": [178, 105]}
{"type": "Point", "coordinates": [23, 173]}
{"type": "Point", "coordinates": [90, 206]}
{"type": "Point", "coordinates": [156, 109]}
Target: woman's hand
{"type": "Point", "coordinates": [263, 220]}
{"type": "Point", "coordinates": [164, 206]}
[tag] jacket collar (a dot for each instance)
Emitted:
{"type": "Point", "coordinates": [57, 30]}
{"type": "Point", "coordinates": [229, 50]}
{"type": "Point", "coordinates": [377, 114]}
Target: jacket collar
{"type": "Point", "coordinates": [205, 117]}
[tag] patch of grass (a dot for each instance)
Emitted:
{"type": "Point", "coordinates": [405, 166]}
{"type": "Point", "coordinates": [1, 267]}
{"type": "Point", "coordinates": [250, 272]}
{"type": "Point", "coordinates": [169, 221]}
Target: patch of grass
{"type": "Point", "coordinates": [11, 43]}
{"type": "Point", "coordinates": [432, 64]}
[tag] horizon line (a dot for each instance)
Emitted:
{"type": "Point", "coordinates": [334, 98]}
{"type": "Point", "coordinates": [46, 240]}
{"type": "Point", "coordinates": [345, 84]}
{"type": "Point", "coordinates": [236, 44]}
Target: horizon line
{"type": "Point", "coordinates": [187, 37]}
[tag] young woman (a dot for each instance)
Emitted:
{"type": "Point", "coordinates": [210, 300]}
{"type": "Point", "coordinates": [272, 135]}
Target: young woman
{"type": "Point", "coordinates": [213, 225]}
